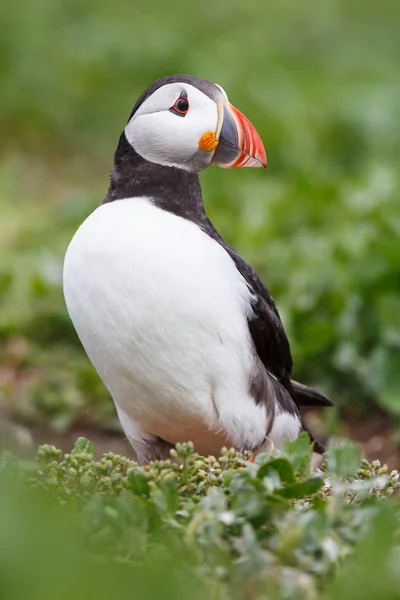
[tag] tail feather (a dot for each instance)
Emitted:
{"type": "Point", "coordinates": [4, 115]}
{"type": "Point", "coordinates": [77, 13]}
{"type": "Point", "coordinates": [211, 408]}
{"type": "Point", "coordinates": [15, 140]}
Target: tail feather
{"type": "Point", "coordinates": [308, 396]}
{"type": "Point", "coordinates": [318, 448]}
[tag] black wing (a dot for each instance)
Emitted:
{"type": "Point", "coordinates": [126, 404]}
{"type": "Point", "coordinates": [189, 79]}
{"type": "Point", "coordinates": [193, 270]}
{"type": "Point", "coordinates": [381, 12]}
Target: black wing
{"type": "Point", "coordinates": [271, 343]}
{"type": "Point", "coordinates": [266, 326]}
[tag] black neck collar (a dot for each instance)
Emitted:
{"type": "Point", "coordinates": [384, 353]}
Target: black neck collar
{"type": "Point", "coordinates": [172, 189]}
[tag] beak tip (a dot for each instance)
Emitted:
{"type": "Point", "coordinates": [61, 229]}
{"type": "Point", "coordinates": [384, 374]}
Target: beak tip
{"type": "Point", "coordinates": [239, 143]}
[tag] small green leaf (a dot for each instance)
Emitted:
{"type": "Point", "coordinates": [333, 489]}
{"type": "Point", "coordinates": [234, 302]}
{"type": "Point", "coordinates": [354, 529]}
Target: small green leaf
{"type": "Point", "coordinates": [301, 490]}
{"type": "Point", "coordinates": [171, 495]}
{"type": "Point", "coordinates": [227, 477]}
{"type": "Point", "coordinates": [277, 500]}
{"type": "Point", "coordinates": [281, 466]}
{"type": "Point", "coordinates": [82, 444]}
{"type": "Point", "coordinates": [138, 483]}
{"type": "Point", "coordinates": [318, 503]}
{"type": "Point", "coordinates": [299, 452]}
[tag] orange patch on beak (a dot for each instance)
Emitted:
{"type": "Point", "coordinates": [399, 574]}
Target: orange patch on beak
{"type": "Point", "coordinates": [208, 141]}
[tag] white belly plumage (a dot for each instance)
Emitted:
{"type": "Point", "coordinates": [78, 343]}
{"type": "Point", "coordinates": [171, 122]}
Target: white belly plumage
{"type": "Point", "coordinates": [161, 311]}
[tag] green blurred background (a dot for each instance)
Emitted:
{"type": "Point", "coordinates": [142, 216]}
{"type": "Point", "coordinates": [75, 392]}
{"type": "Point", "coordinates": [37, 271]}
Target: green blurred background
{"type": "Point", "coordinates": [319, 79]}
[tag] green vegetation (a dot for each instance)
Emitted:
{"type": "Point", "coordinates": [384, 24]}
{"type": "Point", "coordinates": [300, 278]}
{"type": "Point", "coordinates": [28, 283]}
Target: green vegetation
{"type": "Point", "coordinates": [198, 527]}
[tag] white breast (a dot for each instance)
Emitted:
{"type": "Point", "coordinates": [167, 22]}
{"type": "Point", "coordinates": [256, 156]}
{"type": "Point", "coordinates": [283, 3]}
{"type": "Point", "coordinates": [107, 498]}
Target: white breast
{"type": "Point", "coordinates": [161, 311]}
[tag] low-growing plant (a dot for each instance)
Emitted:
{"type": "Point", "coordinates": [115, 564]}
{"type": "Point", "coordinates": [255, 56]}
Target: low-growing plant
{"type": "Point", "coordinates": [206, 527]}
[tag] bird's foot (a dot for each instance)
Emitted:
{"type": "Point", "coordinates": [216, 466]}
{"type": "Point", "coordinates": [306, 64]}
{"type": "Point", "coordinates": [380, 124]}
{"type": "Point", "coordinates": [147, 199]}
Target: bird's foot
{"type": "Point", "coordinates": [316, 462]}
{"type": "Point", "coordinates": [267, 446]}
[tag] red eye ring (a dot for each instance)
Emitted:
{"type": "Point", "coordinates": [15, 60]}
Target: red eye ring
{"type": "Point", "coordinates": [181, 105]}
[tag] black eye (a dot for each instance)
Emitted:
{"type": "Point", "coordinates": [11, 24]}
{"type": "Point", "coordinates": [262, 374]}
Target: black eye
{"type": "Point", "coordinates": [181, 106]}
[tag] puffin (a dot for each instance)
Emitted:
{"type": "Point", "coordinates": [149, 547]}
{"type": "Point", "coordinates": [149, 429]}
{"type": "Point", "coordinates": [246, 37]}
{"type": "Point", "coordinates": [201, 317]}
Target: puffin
{"type": "Point", "coordinates": [182, 331]}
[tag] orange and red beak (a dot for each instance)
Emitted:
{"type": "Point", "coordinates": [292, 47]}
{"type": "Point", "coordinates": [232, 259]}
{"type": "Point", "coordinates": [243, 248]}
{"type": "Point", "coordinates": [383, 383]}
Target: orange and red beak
{"type": "Point", "coordinates": [239, 144]}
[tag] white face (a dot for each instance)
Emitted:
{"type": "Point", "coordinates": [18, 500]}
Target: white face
{"type": "Point", "coordinates": [161, 133]}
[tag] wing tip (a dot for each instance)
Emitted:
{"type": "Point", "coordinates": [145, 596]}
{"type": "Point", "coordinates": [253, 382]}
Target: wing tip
{"type": "Point", "coordinates": [308, 396]}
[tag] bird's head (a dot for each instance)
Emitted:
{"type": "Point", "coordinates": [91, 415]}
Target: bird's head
{"type": "Point", "coordinates": [186, 122]}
